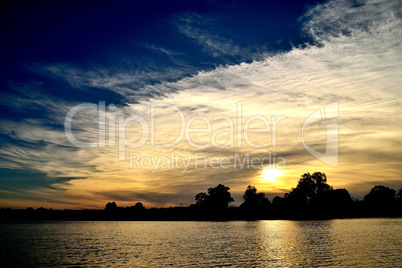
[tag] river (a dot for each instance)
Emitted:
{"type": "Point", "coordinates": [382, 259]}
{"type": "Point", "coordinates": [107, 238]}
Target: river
{"type": "Point", "coordinates": [277, 243]}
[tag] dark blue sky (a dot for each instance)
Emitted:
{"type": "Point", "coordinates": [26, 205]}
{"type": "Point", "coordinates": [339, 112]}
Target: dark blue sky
{"type": "Point", "coordinates": [144, 36]}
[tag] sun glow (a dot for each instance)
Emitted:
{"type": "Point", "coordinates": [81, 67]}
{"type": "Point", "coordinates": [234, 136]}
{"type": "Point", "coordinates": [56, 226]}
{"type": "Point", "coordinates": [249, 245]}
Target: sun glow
{"type": "Point", "coordinates": [270, 175]}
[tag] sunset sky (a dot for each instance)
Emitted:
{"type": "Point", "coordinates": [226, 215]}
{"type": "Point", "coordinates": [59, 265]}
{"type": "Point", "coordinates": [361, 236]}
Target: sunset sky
{"type": "Point", "coordinates": [151, 73]}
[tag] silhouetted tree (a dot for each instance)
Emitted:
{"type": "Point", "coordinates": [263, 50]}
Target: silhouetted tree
{"type": "Point", "coordinates": [308, 187]}
{"type": "Point", "coordinates": [295, 202]}
{"type": "Point", "coordinates": [201, 200]}
{"type": "Point", "coordinates": [137, 210]}
{"type": "Point", "coordinates": [111, 206]}
{"type": "Point", "coordinates": [311, 185]}
{"type": "Point", "coordinates": [306, 199]}
{"type": "Point", "coordinates": [332, 203]}
{"type": "Point", "coordinates": [277, 201]}
{"type": "Point", "coordinates": [380, 195]}
{"type": "Point", "coordinates": [139, 205]}
{"type": "Point", "coordinates": [380, 201]}
{"type": "Point", "coordinates": [399, 200]}
{"type": "Point", "coordinates": [218, 197]}
{"type": "Point", "coordinates": [399, 194]}
{"type": "Point", "coordinates": [254, 201]}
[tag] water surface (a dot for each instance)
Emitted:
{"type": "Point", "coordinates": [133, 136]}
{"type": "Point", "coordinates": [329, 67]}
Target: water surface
{"type": "Point", "coordinates": [348, 242]}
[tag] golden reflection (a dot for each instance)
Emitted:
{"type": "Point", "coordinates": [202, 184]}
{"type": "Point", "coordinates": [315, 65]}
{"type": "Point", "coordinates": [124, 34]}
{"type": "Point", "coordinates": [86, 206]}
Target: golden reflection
{"type": "Point", "coordinates": [295, 243]}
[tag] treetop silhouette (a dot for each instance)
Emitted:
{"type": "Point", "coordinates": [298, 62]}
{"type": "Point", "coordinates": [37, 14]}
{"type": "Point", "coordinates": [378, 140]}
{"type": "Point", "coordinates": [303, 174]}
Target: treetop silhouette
{"type": "Point", "coordinates": [218, 198]}
{"type": "Point", "coordinates": [254, 200]}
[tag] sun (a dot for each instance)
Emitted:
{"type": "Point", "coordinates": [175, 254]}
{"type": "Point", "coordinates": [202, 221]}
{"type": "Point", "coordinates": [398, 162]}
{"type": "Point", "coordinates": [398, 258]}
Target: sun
{"type": "Point", "coordinates": [270, 174]}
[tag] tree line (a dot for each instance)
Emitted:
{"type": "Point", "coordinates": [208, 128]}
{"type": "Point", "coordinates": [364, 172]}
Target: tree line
{"type": "Point", "coordinates": [312, 198]}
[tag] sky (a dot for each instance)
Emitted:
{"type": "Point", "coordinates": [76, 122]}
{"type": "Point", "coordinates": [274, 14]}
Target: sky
{"type": "Point", "coordinates": [156, 101]}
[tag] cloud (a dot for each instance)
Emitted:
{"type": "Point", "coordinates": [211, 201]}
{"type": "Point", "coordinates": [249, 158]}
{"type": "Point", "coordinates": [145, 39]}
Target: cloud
{"type": "Point", "coordinates": [347, 18]}
{"type": "Point", "coordinates": [208, 32]}
{"type": "Point", "coordinates": [130, 84]}
{"type": "Point", "coordinates": [354, 59]}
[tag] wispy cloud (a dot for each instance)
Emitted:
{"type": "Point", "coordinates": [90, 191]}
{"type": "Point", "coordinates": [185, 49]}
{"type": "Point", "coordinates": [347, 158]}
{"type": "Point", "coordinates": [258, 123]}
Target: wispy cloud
{"type": "Point", "coordinates": [129, 83]}
{"type": "Point", "coordinates": [355, 60]}
{"type": "Point", "coordinates": [208, 33]}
